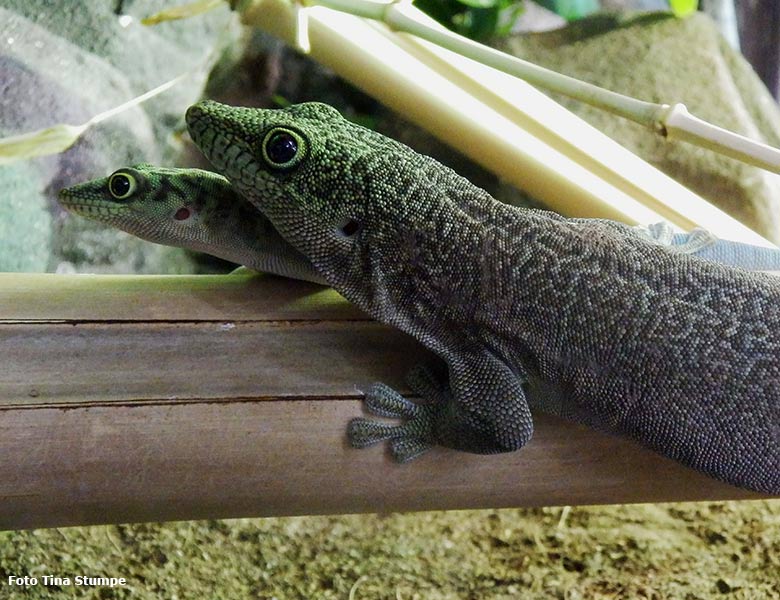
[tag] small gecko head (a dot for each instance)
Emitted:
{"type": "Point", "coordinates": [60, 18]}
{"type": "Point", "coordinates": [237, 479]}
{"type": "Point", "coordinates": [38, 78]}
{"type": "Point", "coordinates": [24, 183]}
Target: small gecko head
{"type": "Point", "coordinates": [167, 206]}
{"type": "Point", "coordinates": [333, 189]}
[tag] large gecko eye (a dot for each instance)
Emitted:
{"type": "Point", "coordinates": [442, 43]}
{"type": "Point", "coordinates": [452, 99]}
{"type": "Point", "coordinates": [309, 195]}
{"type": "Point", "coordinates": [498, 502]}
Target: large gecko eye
{"type": "Point", "coordinates": [121, 185]}
{"type": "Point", "coordinates": [283, 148]}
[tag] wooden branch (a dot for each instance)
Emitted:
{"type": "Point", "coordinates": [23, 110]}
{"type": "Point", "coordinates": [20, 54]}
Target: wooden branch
{"type": "Point", "coordinates": [135, 398]}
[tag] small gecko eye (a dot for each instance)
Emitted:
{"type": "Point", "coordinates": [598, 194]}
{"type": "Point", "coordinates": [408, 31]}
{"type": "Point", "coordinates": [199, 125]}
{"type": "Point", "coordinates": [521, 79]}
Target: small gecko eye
{"type": "Point", "coordinates": [282, 148]}
{"type": "Point", "coordinates": [121, 185]}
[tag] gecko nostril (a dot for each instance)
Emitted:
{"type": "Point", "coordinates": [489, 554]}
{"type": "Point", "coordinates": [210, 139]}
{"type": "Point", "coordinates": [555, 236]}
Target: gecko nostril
{"type": "Point", "coordinates": [182, 214]}
{"type": "Point", "coordinates": [193, 113]}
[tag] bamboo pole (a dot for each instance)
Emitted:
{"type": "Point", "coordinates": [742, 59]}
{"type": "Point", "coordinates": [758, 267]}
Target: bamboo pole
{"type": "Point", "coordinates": [136, 398]}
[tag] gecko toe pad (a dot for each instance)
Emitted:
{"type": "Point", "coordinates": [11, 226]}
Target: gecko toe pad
{"type": "Point", "coordinates": [412, 437]}
{"type": "Point", "coordinates": [367, 432]}
{"type": "Point", "coordinates": [384, 401]}
{"type": "Point", "coordinates": [408, 448]}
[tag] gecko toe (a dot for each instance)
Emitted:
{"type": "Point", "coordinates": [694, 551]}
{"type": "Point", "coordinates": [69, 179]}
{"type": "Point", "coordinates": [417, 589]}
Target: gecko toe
{"type": "Point", "coordinates": [384, 401]}
{"type": "Point", "coordinates": [408, 448]}
{"type": "Point", "coordinates": [407, 440]}
{"type": "Point", "coordinates": [367, 432]}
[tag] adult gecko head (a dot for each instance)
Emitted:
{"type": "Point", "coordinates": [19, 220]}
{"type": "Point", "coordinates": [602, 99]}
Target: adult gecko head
{"type": "Point", "coordinates": [300, 166]}
{"type": "Point", "coordinates": [363, 208]}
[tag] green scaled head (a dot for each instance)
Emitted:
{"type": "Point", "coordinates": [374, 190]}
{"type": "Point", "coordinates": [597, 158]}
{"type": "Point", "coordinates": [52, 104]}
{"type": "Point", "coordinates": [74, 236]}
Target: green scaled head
{"type": "Point", "coordinates": [166, 206]}
{"type": "Point", "coordinates": [333, 189]}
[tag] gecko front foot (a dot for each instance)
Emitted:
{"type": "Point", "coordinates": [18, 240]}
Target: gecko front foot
{"type": "Point", "coordinates": [413, 437]}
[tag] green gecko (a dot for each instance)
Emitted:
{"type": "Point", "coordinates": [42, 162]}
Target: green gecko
{"type": "Point", "coordinates": [524, 307]}
{"type": "Point", "coordinates": [188, 208]}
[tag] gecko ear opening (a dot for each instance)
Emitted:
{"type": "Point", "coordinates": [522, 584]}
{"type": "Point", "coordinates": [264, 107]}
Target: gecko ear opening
{"type": "Point", "coordinates": [349, 227]}
{"type": "Point", "coordinates": [182, 214]}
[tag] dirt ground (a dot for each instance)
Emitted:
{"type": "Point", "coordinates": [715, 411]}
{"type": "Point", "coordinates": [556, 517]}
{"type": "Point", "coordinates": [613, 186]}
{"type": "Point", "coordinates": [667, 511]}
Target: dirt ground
{"type": "Point", "coordinates": [688, 551]}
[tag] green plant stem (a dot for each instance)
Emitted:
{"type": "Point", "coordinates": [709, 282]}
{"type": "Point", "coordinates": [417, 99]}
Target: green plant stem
{"type": "Point", "coordinates": [404, 17]}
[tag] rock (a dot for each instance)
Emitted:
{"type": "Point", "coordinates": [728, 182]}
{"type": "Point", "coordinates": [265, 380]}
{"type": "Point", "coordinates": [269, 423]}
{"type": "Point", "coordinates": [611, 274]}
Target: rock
{"type": "Point", "coordinates": [25, 222]}
{"type": "Point", "coordinates": [64, 65]}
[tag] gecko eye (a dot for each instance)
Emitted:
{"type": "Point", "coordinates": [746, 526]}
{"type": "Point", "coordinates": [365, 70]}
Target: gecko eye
{"type": "Point", "coordinates": [283, 148]}
{"type": "Point", "coordinates": [121, 185]}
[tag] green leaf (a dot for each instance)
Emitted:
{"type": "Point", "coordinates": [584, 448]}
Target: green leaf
{"type": "Point", "coordinates": [280, 101]}
{"type": "Point", "coordinates": [479, 3]}
{"type": "Point", "coordinates": [571, 9]}
{"type": "Point", "coordinates": [482, 24]}
{"type": "Point", "coordinates": [39, 143]}
{"type": "Point", "coordinates": [509, 14]}
{"type": "Point", "coordinates": [475, 19]}
{"type": "Point", "coordinates": [181, 12]}
{"type": "Point", "coordinates": [682, 8]}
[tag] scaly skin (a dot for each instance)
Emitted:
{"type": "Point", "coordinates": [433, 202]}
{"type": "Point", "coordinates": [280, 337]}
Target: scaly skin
{"type": "Point", "coordinates": [188, 208]}
{"type": "Point", "coordinates": [703, 244]}
{"type": "Point", "coordinates": [219, 222]}
{"type": "Point", "coordinates": [700, 243]}
{"type": "Point", "coordinates": [585, 322]}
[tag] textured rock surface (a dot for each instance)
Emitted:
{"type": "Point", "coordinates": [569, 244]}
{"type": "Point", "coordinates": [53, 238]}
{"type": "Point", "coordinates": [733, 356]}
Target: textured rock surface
{"type": "Point", "coordinates": [25, 222]}
{"type": "Point", "coordinates": [663, 59]}
{"type": "Point", "coordinates": [59, 65]}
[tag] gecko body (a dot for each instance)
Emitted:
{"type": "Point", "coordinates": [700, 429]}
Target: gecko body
{"type": "Point", "coordinates": [523, 306]}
